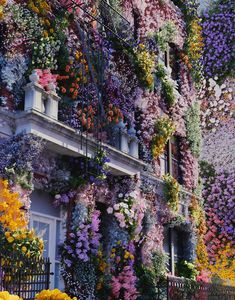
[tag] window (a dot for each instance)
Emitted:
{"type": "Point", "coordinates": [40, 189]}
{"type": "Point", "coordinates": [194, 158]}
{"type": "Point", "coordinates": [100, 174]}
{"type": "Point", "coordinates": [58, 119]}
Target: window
{"type": "Point", "coordinates": [173, 245]}
{"type": "Point", "coordinates": [175, 158]}
{"type": "Point", "coordinates": [174, 62]}
{"type": "Point", "coordinates": [170, 160]}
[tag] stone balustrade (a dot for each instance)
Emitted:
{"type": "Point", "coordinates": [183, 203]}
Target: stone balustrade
{"type": "Point", "coordinates": [37, 98]}
{"type": "Point", "coordinates": [46, 102]}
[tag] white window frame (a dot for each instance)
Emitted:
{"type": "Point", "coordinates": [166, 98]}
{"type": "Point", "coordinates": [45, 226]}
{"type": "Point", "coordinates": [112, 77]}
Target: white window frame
{"type": "Point", "coordinates": [52, 220]}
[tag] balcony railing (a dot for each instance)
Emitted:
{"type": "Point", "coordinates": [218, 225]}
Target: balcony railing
{"type": "Point", "coordinates": [24, 276]}
{"type": "Point", "coordinates": [175, 288]}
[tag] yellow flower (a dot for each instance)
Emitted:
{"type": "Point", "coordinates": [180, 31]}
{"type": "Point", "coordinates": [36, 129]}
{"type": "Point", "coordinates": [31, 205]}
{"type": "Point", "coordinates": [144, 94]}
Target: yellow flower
{"type": "Point", "coordinates": [7, 234]}
{"type": "Point", "coordinates": [10, 239]}
{"type": "Point", "coordinates": [45, 33]}
{"type": "Point", "coordinates": [24, 249]}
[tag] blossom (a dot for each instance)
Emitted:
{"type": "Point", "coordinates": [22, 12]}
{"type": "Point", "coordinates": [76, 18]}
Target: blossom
{"type": "Point", "coordinates": [110, 210]}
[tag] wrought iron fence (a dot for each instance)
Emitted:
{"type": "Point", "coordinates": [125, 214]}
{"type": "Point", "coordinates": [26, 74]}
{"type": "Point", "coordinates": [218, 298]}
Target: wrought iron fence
{"type": "Point", "coordinates": [23, 276]}
{"type": "Point", "coordinates": [186, 289]}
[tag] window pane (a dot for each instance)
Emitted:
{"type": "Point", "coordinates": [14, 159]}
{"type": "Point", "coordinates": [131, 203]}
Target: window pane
{"type": "Point", "coordinates": [42, 229]}
{"type": "Point", "coordinates": [58, 229]}
{"type": "Point", "coordinates": [57, 275]}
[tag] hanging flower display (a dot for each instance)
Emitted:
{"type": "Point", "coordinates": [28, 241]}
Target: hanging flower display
{"type": "Point", "coordinates": [171, 192]}
{"type": "Point", "coordinates": [144, 64]}
{"type": "Point", "coordinates": [11, 215]}
{"type": "Point", "coordinates": [164, 128]}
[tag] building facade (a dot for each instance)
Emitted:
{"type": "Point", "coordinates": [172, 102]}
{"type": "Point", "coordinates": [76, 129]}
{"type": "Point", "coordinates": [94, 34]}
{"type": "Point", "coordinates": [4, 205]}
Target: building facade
{"type": "Point", "coordinates": [100, 136]}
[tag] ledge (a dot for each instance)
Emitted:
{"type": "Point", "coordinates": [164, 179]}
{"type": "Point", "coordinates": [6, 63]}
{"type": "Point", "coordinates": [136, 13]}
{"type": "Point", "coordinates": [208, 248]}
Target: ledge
{"type": "Point", "coordinates": [65, 140]}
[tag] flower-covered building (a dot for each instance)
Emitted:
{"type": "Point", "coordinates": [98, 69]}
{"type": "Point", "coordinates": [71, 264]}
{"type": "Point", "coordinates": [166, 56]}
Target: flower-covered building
{"type": "Point", "coordinates": [100, 140]}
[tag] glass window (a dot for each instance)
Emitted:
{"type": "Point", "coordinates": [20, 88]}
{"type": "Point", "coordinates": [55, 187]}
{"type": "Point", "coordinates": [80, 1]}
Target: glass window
{"type": "Point", "coordinates": [175, 156]}
{"type": "Point", "coordinates": [164, 162]}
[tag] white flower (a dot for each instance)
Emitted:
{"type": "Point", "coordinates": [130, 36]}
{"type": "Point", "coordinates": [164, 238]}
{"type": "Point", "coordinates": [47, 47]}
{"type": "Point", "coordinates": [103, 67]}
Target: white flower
{"type": "Point", "coordinates": [57, 196]}
{"type": "Point", "coordinates": [133, 194]}
{"type": "Point", "coordinates": [110, 210]}
{"type": "Point", "coordinates": [116, 206]}
{"type": "Point", "coordinates": [212, 120]}
{"type": "Point", "coordinates": [120, 195]}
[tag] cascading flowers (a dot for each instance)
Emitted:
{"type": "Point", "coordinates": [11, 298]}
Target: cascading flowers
{"type": "Point", "coordinates": [144, 62]}
{"type": "Point", "coordinates": [129, 213]}
{"type": "Point", "coordinates": [169, 86]}
{"type": "Point", "coordinates": [164, 128]}
{"type": "Point", "coordinates": [171, 191]}
{"type": "Point", "coordinates": [11, 217]}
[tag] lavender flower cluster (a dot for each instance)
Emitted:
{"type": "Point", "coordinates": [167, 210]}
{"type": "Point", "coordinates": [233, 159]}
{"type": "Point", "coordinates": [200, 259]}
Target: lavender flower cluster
{"type": "Point", "coordinates": [218, 33]}
{"type": "Point", "coordinates": [83, 241]}
{"type": "Point", "coordinates": [18, 153]}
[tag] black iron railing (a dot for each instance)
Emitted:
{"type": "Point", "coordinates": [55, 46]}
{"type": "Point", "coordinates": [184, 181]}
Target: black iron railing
{"type": "Point", "coordinates": [24, 277]}
{"type": "Point", "coordinates": [186, 289]}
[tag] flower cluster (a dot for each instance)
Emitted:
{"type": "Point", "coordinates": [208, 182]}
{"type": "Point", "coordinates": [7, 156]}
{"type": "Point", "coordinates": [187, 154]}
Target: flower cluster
{"type": "Point", "coordinates": [53, 294]}
{"type": "Point", "coordinates": [219, 212]}
{"type": "Point", "coordinates": [224, 265]}
{"type": "Point", "coordinates": [123, 280]}
{"type": "Point", "coordinates": [166, 35]}
{"type": "Point", "coordinates": [171, 192]}
{"type": "Point", "coordinates": [123, 285]}
{"type": "Point", "coordinates": [11, 217]}
{"type": "Point", "coordinates": [6, 296]}
{"type": "Point", "coordinates": [128, 213]}
{"type": "Point", "coordinates": [218, 37]}
{"type": "Point", "coordinates": [83, 240]}
{"type": "Point", "coordinates": [23, 243]}
{"type": "Point", "coordinates": [17, 155]}
{"type": "Point", "coordinates": [46, 78]}
{"type": "Point", "coordinates": [163, 130]}
{"type": "Point", "coordinates": [144, 63]}
{"type": "Point", "coordinates": [217, 103]}
{"type": "Point", "coordinates": [169, 86]}
{"type": "Point", "coordinates": [218, 147]}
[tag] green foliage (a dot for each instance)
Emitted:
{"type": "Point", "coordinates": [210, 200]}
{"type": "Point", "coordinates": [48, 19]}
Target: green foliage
{"type": "Point", "coordinates": [168, 89]}
{"type": "Point", "coordinates": [194, 135]}
{"type": "Point", "coordinates": [186, 269]}
{"type": "Point", "coordinates": [171, 191]}
{"type": "Point", "coordinates": [166, 35]}
{"type": "Point", "coordinates": [149, 277]}
{"type": "Point", "coordinates": [207, 170]}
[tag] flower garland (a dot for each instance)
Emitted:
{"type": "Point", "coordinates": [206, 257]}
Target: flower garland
{"type": "Point", "coordinates": [169, 86]}
{"type": "Point", "coordinates": [164, 128]}
{"type": "Point", "coordinates": [171, 191]}
{"type": "Point", "coordinates": [144, 64]}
